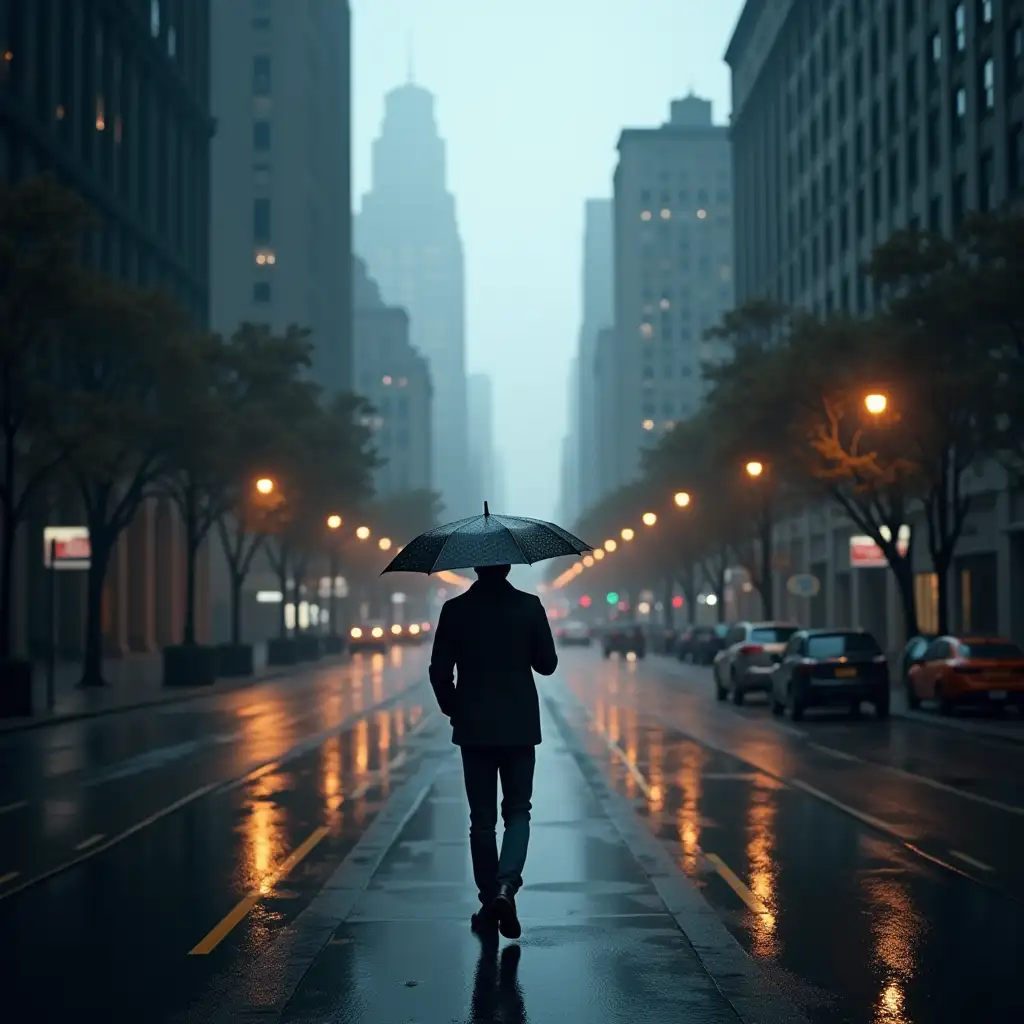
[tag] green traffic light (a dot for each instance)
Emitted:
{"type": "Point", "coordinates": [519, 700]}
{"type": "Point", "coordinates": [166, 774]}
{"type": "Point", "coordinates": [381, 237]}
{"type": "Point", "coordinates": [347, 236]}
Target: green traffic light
{"type": "Point", "coordinates": [612, 597]}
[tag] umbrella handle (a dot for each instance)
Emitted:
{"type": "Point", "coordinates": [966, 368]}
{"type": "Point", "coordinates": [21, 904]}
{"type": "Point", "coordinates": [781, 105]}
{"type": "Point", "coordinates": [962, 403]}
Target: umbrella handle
{"type": "Point", "coordinates": [487, 511]}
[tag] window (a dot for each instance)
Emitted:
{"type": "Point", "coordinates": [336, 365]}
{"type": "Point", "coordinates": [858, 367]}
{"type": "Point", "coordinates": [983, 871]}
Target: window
{"type": "Point", "coordinates": [261, 75]}
{"type": "Point", "coordinates": [934, 138]}
{"type": "Point", "coordinates": [988, 85]}
{"type": "Point", "coordinates": [960, 28]}
{"type": "Point", "coordinates": [840, 645]}
{"type": "Point", "coordinates": [986, 166]}
{"type": "Point", "coordinates": [893, 101]}
{"type": "Point", "coordinates": [771, 634]}
{"type": "Point", "coordinates": [890, 26]}
{"type": "Point", "coordinates": [959, 113]}
{"type": "Point", "coordinates": [1015, 55]}
{"type": "Point", "coordinates": [935, 214]}
{"type": "Point", "coordinates": [858, 218]}
{"type": "Point", "coordinates": [873, 52]}
{"type": "Point", "coordinates": [261, 220]}
{"type": "Point", "coordinates": [876, 125]}
{"type": "Point", "coordinates": [986, 12]}
{"type": "Point", "coordinates": [261, 291]}
{"type": "Point", "coordinates": [876, 195]}
{"type": "Point", "coordinates": [894, 178]}
{"type": "Point", "coordinates": [936, 47]}
{"type": "Point", "coordinates": [909, 14]}
{"type": "Point", "coordinates": [261, 135]}
{"type": "Point", "coordinates": [154, 18]}
{"type": "Point", "coordinates": [911, 83]}
{"type": "Point", "coordinates": [912, 165]}
{"type": "Point", "coordinates": [858, 77]}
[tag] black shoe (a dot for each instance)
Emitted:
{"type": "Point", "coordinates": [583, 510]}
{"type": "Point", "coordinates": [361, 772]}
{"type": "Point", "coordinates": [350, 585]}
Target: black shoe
{"type": "Point", "coordinates": [504, 907]}
{"type": "Point", "coordinates": [484, 922]}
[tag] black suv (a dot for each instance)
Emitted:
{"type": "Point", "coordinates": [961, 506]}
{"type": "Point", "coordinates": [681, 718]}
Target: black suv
{"type": "Point", "coordinates": [624, 639]}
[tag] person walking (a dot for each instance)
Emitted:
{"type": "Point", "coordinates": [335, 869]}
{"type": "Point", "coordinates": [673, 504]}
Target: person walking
{"type": "Point", "coordinates": [488, 643]}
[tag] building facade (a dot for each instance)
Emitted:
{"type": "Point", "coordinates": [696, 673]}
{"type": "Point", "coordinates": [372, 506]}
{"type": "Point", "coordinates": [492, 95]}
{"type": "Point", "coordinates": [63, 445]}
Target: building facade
{"type": "Point", "coordinates": [673, 237]}
{"type": "Point", "coordinates": [395, 378]}
{"type": "Point", "coordinates": [569, 508]}
{"type": "Point", "coordinates": [281, 232]}
{"type": "Point", "coordinates": [112, 98]}
{"type": "Point", "coordinates": [852, 119]}
{"type": "Point", "coordinates": [407, 232]}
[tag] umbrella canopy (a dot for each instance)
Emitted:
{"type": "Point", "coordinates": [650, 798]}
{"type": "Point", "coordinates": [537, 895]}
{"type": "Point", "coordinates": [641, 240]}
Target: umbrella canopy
{"type": "Point", "coordinates": [485, 540]}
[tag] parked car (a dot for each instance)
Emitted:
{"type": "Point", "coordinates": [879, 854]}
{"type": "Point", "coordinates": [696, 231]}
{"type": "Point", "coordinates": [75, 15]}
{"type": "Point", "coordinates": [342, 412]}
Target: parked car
{"type": "Point", "coordinates": [750, 651]}
{"type": "Point", "coordinates": [623, 639]}
{"type": "Point", "coordinates": [700, 644]}
{"type": "Point", "coordinates": [369, 636]}
{"type": "Point", "coordinates": [573, 633]}
{"type": "Point", "coordinates": [916, 646]}
{"type": "Point", "coordinates": [960, 671]}
{"type": "Point", "coordinates": [826, 667]}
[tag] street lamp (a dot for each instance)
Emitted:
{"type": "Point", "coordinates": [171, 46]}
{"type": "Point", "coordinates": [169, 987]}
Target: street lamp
{"type": "Point", "coordinates": [333, 522]}
{"type": "Point", "coordinates": [682, 499]}
{"type": "Point", "coordinates": [363, 532]}
{"type": "Point", "coordinates": [384, 543]}
{"type": "Point", "coordinates": [610, 545]}
{"type": "Point", "coordinates": [649, 518]}
{"type": "Point", "coordinates": [265, 485]}
{"type": "Point", "coordinates": [598, 554]}
{"type": "Point", "coordinates": [755, 468]}
{"type": "Point", "coordinates": [876, 403]}
{"type": "Point", "coordinates": [588, 561]}
{"type": "Point", "coordinates": [627, 534]}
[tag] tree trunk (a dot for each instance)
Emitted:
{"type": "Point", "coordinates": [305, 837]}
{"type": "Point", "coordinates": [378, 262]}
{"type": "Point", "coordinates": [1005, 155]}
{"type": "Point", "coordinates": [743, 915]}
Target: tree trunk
{"type": "Point", "coordinates": [901, 570]}
{"type": "Point", "coordinates": [96, 578]}
{"type": "Point", "coordinates": [332, 569]}
{"type": "Point", "coordinates": [669, 611]}
{"type": "Point", "coordinates": [687, 580]}
{"type": "Point", "coordinates": [192, 542]}
{"type": "Point", "coordinates": [723, 563]}
{"type": "Point", "coordinates": [237, 579]}
{"type": "Point", "coordinates": [282, 578]}
{"type": "Point", "coordinates": [301, 568]}
{"type": "Point", "coordinates": [10, 532]}
{"type": "Point", "coordinates": [941, 562]}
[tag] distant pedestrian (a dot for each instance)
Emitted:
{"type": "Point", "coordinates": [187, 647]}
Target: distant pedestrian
{"type": "Point", "coordinates": [488, 643]}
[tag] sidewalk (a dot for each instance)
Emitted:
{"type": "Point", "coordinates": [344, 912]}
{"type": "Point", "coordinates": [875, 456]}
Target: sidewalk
{"type": "Point", "coordinates": [133, 681]}
{"type": "Point", "coordinates": [388, 938]}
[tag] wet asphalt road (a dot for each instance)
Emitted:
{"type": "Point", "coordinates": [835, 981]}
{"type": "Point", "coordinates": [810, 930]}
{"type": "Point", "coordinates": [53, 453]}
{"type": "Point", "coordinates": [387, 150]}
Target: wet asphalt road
{"type": "Point", "coordinates": [874, 870]}
{"type": "Point", "coordinates": [156, 825]}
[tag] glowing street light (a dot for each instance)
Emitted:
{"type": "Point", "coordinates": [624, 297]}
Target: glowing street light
{"type": "Point", "coordinates": [649, 518]}
{"type": "Point", "coordinates": [588, 560]}
{"type": "Point", "coordinates": [876, 403]}
{"type": "Point", "coordinates": [682, 499]}
{"type": "Point", "coordinates": [755, 468]}
{"type": "Point", "coordinates": [265, 485]}
{"type": "Point", "coordinates": [610, 545]}
{"type": "Point", "coordinates": [627, 534]}
{"type": "Point", "coordinates": [363, 532]}
{"type": "Point", "coordinates": [384, 543]}
{"type": "Point", "coordinates": [333, 522]}
{"type": "Point", "coordinates": [598, 554]}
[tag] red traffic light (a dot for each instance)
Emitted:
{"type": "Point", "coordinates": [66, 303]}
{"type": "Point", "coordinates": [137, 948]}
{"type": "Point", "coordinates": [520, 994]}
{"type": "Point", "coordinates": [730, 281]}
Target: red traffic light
{"type": "Point", "coordinates": [585, 601]}
{"type": "Point", "coordinates": [677, 601]}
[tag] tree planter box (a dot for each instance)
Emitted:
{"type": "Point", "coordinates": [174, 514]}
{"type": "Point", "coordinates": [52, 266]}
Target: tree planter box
{"type": "Point", "coordinates": [190, 665]}
{"type": "Point", "coordinates": [15, 688]}
{"type": "Point", "coordinates": [307, 647]}
{"type": "Point", "coordinates": [334, 644]}
{"type": "Point", "coordinates": [281, 651]}
{"type": "Point", "coordinates": [235, 661]}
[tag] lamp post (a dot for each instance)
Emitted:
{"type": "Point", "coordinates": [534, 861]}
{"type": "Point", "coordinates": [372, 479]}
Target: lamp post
{"type": "Point", "coordinates": [755, 470]}
{"type": "Point", "coordinates": [334, 523]}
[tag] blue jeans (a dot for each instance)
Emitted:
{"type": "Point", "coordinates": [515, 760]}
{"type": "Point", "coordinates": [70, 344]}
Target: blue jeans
{"type": "Point", "coordinates": [482, 767]}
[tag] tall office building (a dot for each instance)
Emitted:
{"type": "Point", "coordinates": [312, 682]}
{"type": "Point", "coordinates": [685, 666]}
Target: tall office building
{"type": "Point", "coordinates": [598, 313]}
{"type": "Point", "coordinates": [113, 99]}
{"type": "Point", "coordinates": [395, 378]}
{"type": "Point", "coordinates": [569, 471]}
{"type": "Point", "coordinates": [482, 455]}
{"type": "Point", "coordinates": [281, 232]}
{"type": "Point", "coordinates": [673, 275]}
{"type": "Point", "coordinates": [407, 232]}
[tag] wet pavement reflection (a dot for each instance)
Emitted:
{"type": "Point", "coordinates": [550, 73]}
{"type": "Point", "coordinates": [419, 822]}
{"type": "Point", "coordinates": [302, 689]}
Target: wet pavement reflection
{"type": "Point", "coordinates": [839, 875]}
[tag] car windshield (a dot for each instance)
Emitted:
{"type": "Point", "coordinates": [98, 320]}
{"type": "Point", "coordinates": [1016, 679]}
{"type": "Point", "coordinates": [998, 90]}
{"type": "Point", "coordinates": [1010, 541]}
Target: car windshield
{"type": "Point", "coordinates": [772, 634]}
{"type": "Point", "coordinates": [991, 649]}
{"type": "Point", "coordinates": [839, 645]}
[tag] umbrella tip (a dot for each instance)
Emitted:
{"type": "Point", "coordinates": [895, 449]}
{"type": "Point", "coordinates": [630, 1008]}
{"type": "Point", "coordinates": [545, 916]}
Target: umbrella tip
{"type": "Point", "coordinates": [487, 511]}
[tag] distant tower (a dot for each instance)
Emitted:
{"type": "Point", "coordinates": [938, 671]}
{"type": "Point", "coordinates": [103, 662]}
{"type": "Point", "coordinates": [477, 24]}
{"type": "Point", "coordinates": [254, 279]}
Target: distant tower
{"type": "Point", "coordinates": [407, 232]}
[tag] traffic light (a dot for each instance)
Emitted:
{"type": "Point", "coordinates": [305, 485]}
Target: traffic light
{"type": "Point", "coordinates": [585, 601]}
{"type": "Point", "coordinates": [612, 598]}
{"type": "Point", "coordinates": [677, 601]}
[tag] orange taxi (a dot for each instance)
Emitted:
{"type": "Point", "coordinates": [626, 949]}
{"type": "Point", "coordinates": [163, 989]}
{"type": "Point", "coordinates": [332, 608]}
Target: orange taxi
{"type": "Point", "coordinates": [968, 670]}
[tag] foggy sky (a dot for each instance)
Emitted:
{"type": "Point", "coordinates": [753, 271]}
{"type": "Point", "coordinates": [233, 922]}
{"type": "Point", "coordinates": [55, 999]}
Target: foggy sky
{"type": "Point", "coordinates": [530, 99]}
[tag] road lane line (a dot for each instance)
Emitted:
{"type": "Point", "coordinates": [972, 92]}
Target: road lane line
{"type": "Point", "coordinates": [968, 859]}
{"type": "Point", "coordinates": [738, 886]}
{"type": "Point", "coordinates": [220, 931]}
{"type": "Point", "coordinates": [633, 770]}
{"type": "Point", "coordinates": [839, 755]}
{"type": "Point", "coordinates": [9, 877]}
{"type": "Point", "coordinates": [862, 816]}
{"type": "Point", "coordinates": [85, 844]}
{"type": "Point", "coordinates": [16, 806]}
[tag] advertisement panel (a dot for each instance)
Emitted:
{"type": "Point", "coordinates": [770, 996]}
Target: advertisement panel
{"type": "Point", "coordinates": [866, 554]}
{"type": "Point", "coordinates": [70, 547]}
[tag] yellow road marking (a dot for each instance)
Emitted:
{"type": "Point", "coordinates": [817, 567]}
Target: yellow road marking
{"type": "Point", "coordinates": [645, 786]}
{"type": "Point", "coordinates": [736, 883]}
{"type": "Point", "coordinates": [9, 877]}
{"type": "Point", "coordinates": [91, 841]}
{"type": "Point", "coordinates": [973, 861]}
{"type": "Point", "coordinates": [214, 938]}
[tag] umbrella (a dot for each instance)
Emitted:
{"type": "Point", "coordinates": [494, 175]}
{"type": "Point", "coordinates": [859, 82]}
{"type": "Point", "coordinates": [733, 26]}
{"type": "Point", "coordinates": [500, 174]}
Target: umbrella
{"type": "Point", "coordinates": [485, 540]}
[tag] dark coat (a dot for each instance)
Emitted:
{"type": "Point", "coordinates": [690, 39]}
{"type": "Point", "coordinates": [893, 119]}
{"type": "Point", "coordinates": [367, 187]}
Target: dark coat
{"type": "Point", "coordinates": [494, 635]}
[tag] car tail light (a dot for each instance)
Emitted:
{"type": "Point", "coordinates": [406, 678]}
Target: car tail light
{"type": "Point", "coordinates": [751, 649]}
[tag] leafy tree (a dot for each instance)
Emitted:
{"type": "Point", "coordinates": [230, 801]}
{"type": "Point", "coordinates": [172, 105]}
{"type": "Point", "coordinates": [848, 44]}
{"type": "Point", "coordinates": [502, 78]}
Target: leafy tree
{"type": "Point", "coordinates": [129, 362]}
{"type": "Point", "coordinates": [40, 226]}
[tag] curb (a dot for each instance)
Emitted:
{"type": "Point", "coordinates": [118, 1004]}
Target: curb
{"type": "Point", "coordinates": [12, 726]}
{"type": "Point", "coordinates": [735, 974]}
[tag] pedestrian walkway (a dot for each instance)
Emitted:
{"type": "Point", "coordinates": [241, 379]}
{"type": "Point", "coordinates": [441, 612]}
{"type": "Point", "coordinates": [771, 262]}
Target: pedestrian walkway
{"type": "Point", "coordinates": [133, 681]}
{"type": "Point", "coordinates": [388, 939]}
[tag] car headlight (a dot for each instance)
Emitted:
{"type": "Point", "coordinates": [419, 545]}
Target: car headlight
{"type": "Point", "coordinates": [355, 633]}
{"type": "Point", "coordinates": [377, 631]}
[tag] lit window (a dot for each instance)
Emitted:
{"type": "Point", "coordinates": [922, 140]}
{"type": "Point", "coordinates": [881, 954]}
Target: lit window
{"type": "Point", "coordinates": [666, 214]}
{"type": "Point", "coordinates": [664, 303]}
{"type": "Point", "coordinates": [960, 27]}
{"type": "Point", "coordinates": [60, 112]}
{"type": "Point", "coordinates": [154, 17]}
{"type": "Point", "coordinates": [646, 330]}
{"type": "Point", "coordinates": [961, 101]}
{"type": "Point", "coordinates": [101, 120]}
{"type": "Point", "coordinates": [265, 257]}
{"type": "Point", "coordinates": [988, 83]}
{"type": "Point", "coordinates": [702, 214]}
{"type": "Point", "coordinates": [172, 42]}
{"type": "Point", "coordinates": [986, 11]}
{"type": "Point", "coordinates": [648, 424]}
{"type": "Point", "coordinates": [646, 215]}
{"type": "Point", "coordinates": [261, 291]}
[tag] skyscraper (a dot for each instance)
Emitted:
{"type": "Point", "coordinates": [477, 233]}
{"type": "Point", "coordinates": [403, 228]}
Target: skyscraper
{"type": "Point", "coordinates": [407, 232]}
{"type": "Point", "coordinates": [673, 276]}
{"type": "Point", "coordinates": [281, 227]}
